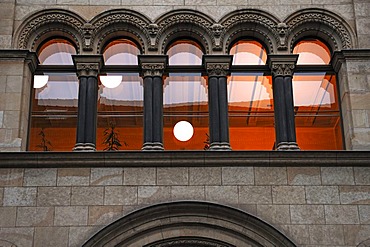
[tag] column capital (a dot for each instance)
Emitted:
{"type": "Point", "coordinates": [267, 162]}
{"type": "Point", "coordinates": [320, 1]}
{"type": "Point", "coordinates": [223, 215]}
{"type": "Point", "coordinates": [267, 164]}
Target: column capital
{"type": "Point", "coordinates": [88, 65]}
{"type": "Point", "coordinates": [217, 65]}
{"type": "Point", "coordinates": [282, 65]}
{"type": "Point", "coordinates": [153, 65]}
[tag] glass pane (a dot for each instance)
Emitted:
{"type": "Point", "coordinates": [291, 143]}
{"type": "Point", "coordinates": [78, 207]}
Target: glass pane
{"type": "Point", "coordinates": [318, 124]}
{"type": "Point", "coordinates": [56, 52]}
{"type": "Point", "coordinates": [185, 52]}
{"type": "Point", "coordinates": [312, 52]}
{"type": "Point", "coordinates": [251, 111]}
{"type": "Point", "coordinates": [248, 52]}
{"type": "Point", "coordinates": [54, 113]}
{"type": "Point", "coordinates": [185, 99]}
{"type": "Point", "coordinates": [120, 112]}
{"type": "Point", "coordinates": [121, 52]}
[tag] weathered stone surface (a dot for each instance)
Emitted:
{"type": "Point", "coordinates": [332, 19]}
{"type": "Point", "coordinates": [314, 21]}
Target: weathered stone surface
{"type": "Point", "coordinates": [222, 194]}
{"type": "Point", "coordinates": [355, 234]}
{"type": "Point", "coordinates": [51, 236]}
{"type": "Point", "coordinates": [354, 194]}
{"type": "Point", "coordinates": [106, 176]}
{"type": "Point", "coordinates": [79, 235]}
{"type": "Point", "coordinates": [299, 234]}
{"type": "Point", "coordinates": [40, 177]}
{"type": "Point", "coordinates": [35, 216]}
{"type": "Point", "coordinates": [337, 175]}
{"type": "Point", "coordinates": [362, 175]}
{"type": "Point", "coordinates": [364, 212]}
{"type": "Point", "coordinates": [53, 196]}
{"type": "Point", "coordinates": [14, 84]}
{"type": "Point", "coordinates": [87, 196]}
{"type": "Point", "coordinates": [104, 215]}
{"type": "Point", "coordinates": [288, 195]}
{"type": "Point", "coordinates": [8, 216]}
{"type": "Point", "coordinates": [270, 176]}
{"type": "Point", "coordinates": [326, 235]}
{"type": "Point", "coordinates": [304, 175]}
{"type": "Point", "coordinates": [255, 195]}
{"type": "Point", "coordinates": [188, 193]}
{"type": "Point", "coordinates": [153, 194]}
{"type": "Point", "coordinates": [73, 176]}
{"type": "Point", "coordinates": [17, 196]}
{"type": "Point", "coordinates": [71, 216]}
{"type": "Point", "coordinates": [18, 236]}
{"type": "Point", "coordinates": [205, 176]}
{"type": "Point", "coordinates": [341, 214]}
{"type": "Point", "coordinates": [120, 195]}
{"type": "Point", "coordinates": [322, 194]}
{"type": "Point", "coordinates": [237, 176]}
{"type": "Point", "coordinates": [307, 214]}
{"type": "Point", "coordinates": [140, 176]}
{"type": "Point", "coordinates": [173, 176]}
{"type": "Point", "coordinates": [275, 214]}
{"type": "Point", "coordinates": [11, 177]}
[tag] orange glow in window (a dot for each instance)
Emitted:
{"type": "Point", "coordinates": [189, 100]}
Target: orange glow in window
{"type": "Point", "coordinates": [312, 52]}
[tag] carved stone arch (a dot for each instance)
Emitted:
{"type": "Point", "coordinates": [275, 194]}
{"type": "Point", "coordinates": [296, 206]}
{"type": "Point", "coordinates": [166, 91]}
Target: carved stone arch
{"type": "Point", "coordinates": [250, 23]}
{"type": "Point", "coordinates": [365, 243]}
{"type": "Point", "coordinates": [320, 23]}
{"type": "Point", "coordinates": [183, 23]}
{"type": "Point", "coordinates": [46, 24]}
{"type": "Point", "coordinates": [193, 223]}
{"type": "Point", "coordinates": [118, 23]}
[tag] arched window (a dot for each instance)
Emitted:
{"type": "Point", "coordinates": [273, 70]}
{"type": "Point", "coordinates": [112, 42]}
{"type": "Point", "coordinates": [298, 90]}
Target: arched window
{"type": "Point", "coordinates": [120, 100]}
{"type": "Point", "coordinates": [185, 98]}
{"type": "Point", "coordinates": [251, 108]}
{"type": "Point", "coordinates": [54, 100]}
{"type": "Point", "coordinates": [316, 103]}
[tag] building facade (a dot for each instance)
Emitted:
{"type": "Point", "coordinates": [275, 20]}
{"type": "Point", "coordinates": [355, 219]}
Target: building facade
{"type": "Point", "coordinates": [277, 94]}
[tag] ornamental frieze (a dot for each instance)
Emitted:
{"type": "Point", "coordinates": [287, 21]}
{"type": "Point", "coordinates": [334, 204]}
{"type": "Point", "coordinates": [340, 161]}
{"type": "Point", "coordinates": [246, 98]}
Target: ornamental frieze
{"type": "Point", "coordinates": [152, 69]}
{"type": "Point", "coordinates": [218, 69]}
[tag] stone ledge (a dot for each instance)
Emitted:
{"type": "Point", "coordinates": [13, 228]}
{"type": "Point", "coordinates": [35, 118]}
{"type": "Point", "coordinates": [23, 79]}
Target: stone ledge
{"type": "Point", "coordinates": [184, 159]}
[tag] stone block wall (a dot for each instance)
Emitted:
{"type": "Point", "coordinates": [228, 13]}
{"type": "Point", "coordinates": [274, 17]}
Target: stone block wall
{"type": "Point", "coordinates": [313, 206]}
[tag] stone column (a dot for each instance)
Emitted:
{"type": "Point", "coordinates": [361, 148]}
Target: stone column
{"type": "Point", "coordinates": [88, 67]}
{"type": "Point", "coordinates": [282, 68]}
{"type": "Point", "coordinates": [218, 67]}
{"type": "Point", "coordinates": [152, 69]}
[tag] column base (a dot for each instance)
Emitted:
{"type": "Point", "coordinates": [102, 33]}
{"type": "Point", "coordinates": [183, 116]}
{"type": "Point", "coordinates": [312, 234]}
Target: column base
{"type": "Point", "coordinates": [287, 146]}
{"type": "Point", "coordinates": [152, 146]}
{"type": "Point", "coordinates": [220, 146]}
{"type": "Point", "coordinates": [84, 147]}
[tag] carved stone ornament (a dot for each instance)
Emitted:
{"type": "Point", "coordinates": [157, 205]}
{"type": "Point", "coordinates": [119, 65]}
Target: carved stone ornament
{"type": "Point", "coordinates": [188, 242]}
{"type": "Point", "coordinates": [282, 30]}
{"type": "Point", "coordinates": [87, 33]}
{"type": "Point", "coordinates": [152, 69]}
{"type": "Point", "coordinates": [218, 69]}
{"type": "Point", "coordinates": [282, 69]}
{"type": "Point", "coordinates": [87, 69]}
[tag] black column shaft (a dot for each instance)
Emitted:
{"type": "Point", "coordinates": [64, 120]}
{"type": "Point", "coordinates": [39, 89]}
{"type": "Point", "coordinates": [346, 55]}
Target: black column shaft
{"type": "Point", "coordinates": [223, 107]}
{"type": "Point", "coordinates": [213, 108]}
{"type": "Point", "coordinates": [81, 116]}
{"type": "Point", "coordinates": [157, 109]}
{"type": "Point", "coordinates": [91, 110]}
{"type": "Point", "coordinates": [280, 110]}
{"type": "Point", "coordinates": [148, 112]}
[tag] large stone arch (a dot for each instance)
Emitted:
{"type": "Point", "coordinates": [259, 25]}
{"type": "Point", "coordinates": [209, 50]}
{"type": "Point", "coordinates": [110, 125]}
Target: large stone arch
{"type": "Point", "coordinates": [116, 23]}
{"type": "Point", "coordinates": [250, 23]}
{"type": "Point", "coordinates": [183, 23]}
{"type": "Point", "coordinates": [188, 223]}
{"type": "Point", "coordinates": [46, 24]}
{"type": "Point", "coordinates": [320, 23]}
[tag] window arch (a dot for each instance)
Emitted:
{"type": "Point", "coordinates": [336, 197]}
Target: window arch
{"type": "Point", "coordinates": [120, 100]}
{"type": "Point", "coordinates": [54, 99]}
{"type": "Point", "coordinates": [250, 98]}
{"type": "Point", "coordinates": [185, 97]}
{"type": "Point", "coordinates": [316, 101]}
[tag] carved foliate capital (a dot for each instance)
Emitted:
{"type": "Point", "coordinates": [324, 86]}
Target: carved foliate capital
{"type": "Point", "coordinates": [152, 69]}
{"type": "Point", "coordinates": [88, 65]}
{"type": "Point", "coordinates": [282, 65]}
{"type": "Point", "coordinates": [217, 69]}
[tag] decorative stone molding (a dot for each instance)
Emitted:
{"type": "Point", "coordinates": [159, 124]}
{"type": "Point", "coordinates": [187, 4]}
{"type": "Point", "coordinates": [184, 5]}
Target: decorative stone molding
{"type": "Point", "coordinates": [287, 146]}
{"type": "Point", "coordinates": [282, 65]}
{"type": "Point", "coordinates": [181, 242]}
{"type": "Point", "coordinates": [337, 26]}
{"type": "Point", "coordinates": [65, 21]}
{"type": "Point", "coordinates": [153, 65]}
{"type": "Point", "coordinates": [217, 69]}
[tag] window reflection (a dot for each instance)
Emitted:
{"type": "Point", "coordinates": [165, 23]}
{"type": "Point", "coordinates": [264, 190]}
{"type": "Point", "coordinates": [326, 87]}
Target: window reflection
{"type": "Point", "coordinates": [312, 52]}
{"type": "Point", "coordinates": [120, 111]}
{"type": "Point", "coordinates": [56, 52]}
{"type": "Point", "coordinates": [185, 52]}
{"type": "Point", "coordinates": [317, 112]}
{"type": "Point", "coordinates": [248, 52]}
{"type": "Point", "coordinates": [185, 99]}
{"type": "Point", "coordinates": [121, 52]}
{"type": "Point", "coordinates": [251, 113]}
